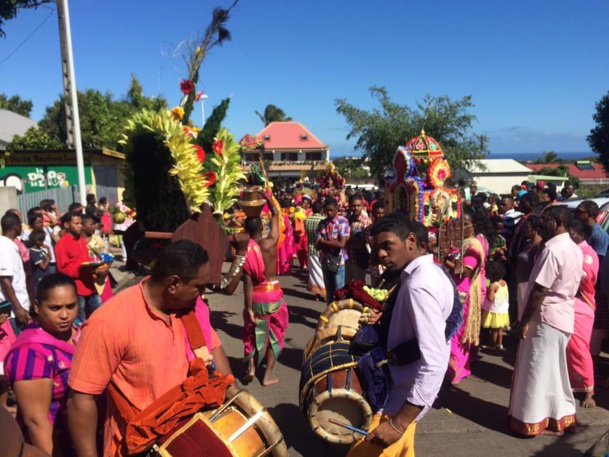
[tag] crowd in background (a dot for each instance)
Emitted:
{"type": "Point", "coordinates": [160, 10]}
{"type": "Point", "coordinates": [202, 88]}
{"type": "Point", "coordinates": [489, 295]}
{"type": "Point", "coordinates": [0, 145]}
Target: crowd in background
{"type": "Point", "coordinates": [508, 239]}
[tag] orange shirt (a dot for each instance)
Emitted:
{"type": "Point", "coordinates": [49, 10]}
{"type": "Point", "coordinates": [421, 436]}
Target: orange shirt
{"type": "Point", "coordinates": [127, 343]}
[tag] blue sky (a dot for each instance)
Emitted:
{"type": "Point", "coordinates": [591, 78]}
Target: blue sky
{"type": "Point", "coordinates": [535, 69]}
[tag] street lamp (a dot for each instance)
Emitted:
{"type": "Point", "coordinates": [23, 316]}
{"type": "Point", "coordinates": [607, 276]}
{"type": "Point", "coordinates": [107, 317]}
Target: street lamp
{"type": "Point", "coordinates": [203, 98]}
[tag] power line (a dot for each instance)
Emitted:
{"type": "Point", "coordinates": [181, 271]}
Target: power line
{"type": "Point", "coordinates": [28, 37]}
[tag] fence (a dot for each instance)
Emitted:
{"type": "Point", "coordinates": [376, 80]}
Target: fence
{"type": "Point", "coordinates": [63, 197]}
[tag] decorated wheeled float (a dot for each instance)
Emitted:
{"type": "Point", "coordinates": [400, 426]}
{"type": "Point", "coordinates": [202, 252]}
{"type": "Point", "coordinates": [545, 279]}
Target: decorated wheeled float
{"type": "Point", "coordinates": [342, 382]}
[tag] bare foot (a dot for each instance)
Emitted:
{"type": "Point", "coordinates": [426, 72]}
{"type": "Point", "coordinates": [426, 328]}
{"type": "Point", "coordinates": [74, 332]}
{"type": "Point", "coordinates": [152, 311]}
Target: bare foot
{"type": "Point", "coordinates": [247, 377]}
{"type": "Point", "coordinates": [588, 402]}
{"type": "Point", "coordinates": [269, 381]}
{"type": "Point", "coordinates": [551, 433]}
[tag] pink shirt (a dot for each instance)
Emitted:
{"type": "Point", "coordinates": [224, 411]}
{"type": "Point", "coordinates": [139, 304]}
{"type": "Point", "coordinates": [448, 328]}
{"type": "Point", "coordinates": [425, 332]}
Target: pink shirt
{"type": "Point", "coordinates": [558, 268]}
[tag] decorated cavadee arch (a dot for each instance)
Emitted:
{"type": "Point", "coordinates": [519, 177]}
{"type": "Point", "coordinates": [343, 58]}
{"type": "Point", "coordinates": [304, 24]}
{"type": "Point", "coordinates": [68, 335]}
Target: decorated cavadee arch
{"type": "Point", "coordinates": [416, 183]}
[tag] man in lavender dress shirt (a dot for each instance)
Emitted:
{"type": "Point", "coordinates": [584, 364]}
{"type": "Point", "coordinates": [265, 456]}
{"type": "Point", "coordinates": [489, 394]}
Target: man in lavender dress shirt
{"type": "Point", "coordinates": [424, 302]}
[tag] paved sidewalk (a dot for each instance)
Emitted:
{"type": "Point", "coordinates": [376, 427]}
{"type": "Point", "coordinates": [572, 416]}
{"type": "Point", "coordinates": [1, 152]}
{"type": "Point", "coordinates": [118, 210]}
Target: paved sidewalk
{"type": "Point", "coordinates": [468, 420]}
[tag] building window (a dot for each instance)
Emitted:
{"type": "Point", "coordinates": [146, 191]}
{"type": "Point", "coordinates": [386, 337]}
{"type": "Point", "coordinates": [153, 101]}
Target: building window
{"type": "Point", "coordinates": [290, 156]}
{"type": "Point", "coordinates": [313, 156]}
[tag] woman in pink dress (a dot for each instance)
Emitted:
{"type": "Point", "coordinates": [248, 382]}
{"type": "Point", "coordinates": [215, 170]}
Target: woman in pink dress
{"type": "Point", "coordinates": [468, 282]}
{"type": "Point", "coordinates": [579, 358]}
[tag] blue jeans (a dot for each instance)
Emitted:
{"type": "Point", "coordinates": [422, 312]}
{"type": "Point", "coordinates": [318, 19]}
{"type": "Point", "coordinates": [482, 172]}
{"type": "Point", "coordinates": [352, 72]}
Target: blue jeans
{"type": "Point", "coordinates": [333, 281]}
{"type": "Point", "coordinates": [86, 306]}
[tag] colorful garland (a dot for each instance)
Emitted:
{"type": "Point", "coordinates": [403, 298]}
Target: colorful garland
{"type": "Point", "coordinates": [227, 159]}
{"type": "Point", "coordinates": [438, 172]}
{"type": "Point", "coordinates": [188, 167]}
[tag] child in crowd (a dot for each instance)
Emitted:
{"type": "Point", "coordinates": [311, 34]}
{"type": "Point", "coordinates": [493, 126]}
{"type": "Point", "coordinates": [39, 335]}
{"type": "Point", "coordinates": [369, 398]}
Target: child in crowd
{"type": "Point", "coordinates": [498, 251]}
{"type": "Point", "coordinates": [495, 314]}
{"type": "Point", "coordinates": [40, 257]}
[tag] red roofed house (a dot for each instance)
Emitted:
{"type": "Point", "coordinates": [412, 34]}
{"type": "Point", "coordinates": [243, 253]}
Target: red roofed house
{"type": "Point", "coordinates": [293, 151]}
{"type": "Point", "coordinates": [587, 172]}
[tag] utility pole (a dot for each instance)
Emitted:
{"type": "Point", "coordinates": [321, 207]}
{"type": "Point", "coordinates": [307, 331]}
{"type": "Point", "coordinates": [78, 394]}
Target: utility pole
{"type": "Point", "coordinates": [70, 94]}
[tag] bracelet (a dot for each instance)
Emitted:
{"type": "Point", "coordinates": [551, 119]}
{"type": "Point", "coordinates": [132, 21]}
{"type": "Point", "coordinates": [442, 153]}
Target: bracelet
{"type": "Point", "coordinates": [395, 428]}
{"type": "Point", "coordinates": [235, 269]}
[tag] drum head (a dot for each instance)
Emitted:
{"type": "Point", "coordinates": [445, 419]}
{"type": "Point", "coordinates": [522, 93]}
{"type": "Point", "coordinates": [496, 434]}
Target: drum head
{"type": "Point", "coordinates": [341, 405]}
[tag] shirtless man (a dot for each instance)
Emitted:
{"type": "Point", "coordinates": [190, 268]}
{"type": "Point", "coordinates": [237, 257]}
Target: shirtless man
{"type": "Point", "coordinates": [265, 313]}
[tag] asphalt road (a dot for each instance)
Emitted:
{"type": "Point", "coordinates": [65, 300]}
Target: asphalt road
{"type": "Point", "coordinates": [469, 420]}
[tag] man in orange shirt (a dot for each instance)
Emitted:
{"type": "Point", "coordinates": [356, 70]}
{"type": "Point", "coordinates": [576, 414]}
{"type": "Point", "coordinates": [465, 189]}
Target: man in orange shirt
{"type": "Point", "coordinates": [137, 343]}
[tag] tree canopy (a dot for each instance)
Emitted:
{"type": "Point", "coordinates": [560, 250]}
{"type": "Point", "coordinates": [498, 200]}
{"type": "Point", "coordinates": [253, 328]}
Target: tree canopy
{"type": "Point", "coordinates": [272, 113]}
{"type": "Point", "coordinates": [16, 104]}
{"type": "Point", "coordinates": [101, 119]}
{"type": "Point", "coordinates": [9, 8]}
{"type": "Point", "coordinates": [599, 135]}
{"type": "Point", "coordinates": [380, 131]}
{"type": "Point", "coordinates": [352, 168]}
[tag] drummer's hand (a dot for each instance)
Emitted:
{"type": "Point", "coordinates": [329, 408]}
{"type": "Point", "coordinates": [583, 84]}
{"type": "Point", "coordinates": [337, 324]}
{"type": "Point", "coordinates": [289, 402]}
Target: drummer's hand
{"type": "Point", "coordinates": [204, 354]}
{"type": "Point", "coordinates": [240, 242]}
{"type": "Point", "coordinates": [383, 436]}
{"type": "Point", "coordinates": [374, 316]}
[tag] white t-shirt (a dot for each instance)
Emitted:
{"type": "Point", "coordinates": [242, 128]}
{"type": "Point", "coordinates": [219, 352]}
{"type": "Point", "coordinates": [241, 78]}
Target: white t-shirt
{"type": "Point", "coordinates": [12, 265]}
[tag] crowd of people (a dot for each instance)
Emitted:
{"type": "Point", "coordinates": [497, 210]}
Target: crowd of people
{"type": "Point", "coordinates": [527, 267]}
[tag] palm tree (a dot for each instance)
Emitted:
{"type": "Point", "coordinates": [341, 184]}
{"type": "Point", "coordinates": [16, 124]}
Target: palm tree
{"type": "Point", "coordinates": [548, 157]}
{"type": "Point", "coordinates": [273, 113]}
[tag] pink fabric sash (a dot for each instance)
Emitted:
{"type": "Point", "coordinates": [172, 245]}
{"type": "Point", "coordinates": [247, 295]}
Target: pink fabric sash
{"type": "Point", "coordinates": [202, 314]}
{"type": "Point", "coordinates": [33, 333]}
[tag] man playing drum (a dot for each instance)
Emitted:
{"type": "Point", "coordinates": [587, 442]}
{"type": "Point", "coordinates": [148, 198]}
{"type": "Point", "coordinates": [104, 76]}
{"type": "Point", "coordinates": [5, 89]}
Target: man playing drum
{"type": "Point", "coordinates": [137, 344]}
{"type": "Point", "coordinates": [423, 304]}
{"type": "Point", "coordinates": [265, 315]}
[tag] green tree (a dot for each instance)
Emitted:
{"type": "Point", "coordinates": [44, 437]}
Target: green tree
{"type": "Point", "coordinates": [380, 131]}
{"type": "Point", "coordinates": [273, 113]}
{"type": "Point", "coordinates": [9, 8]}
{"type": "Point", "coordinates": [351, 168]}
{"type": "Point", "coordinates": [561, 170]}
{"type": "Point", "coordinates": [16, 104]}
{"type": "Point", "coordinates": [548, 157]}
{"type": "Point", "coordinates": [599, 135]}
{"type": "Point", "coordinates": [35, 138]}
{"type": "Point", "coordinates": [101, 119]}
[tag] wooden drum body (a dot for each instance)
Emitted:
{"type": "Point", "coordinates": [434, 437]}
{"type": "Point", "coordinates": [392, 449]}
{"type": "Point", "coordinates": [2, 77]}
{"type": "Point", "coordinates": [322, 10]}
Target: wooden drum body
{"type": "Point", "coordinates": [340, 321]}
{"type": "Point", "coordinates": [330, 389]}
{"type": "Point", "coordinates": [241, 427]}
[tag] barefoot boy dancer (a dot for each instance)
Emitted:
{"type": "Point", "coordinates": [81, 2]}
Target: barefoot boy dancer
{"type": "Point", "coordinates": [266, 314]}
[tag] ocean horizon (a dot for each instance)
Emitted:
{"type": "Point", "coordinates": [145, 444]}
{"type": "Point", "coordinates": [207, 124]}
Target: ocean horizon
{"type": "Point", "coordinates": [537, 155]}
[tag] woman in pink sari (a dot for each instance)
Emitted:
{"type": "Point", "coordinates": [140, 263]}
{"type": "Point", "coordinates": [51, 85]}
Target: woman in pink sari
{"type": "Point", "coordinates": [579, 358]}
{"type": "Point", "coordinates": [470, 291]}
{"type": "Point", "coordinates": [285, 249]}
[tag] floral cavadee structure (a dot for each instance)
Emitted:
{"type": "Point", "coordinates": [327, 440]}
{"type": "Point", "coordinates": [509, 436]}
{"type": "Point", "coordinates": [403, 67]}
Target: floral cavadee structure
{"type": "Point", "coordinates": [415, 183]}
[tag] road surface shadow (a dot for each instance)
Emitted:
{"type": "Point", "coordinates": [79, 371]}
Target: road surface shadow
{"type": "Point", "coordinates": [493, 373]}
{"type": "Point", "coordinates": [304, 316]}
{"type": "Point", "coordinates": [484, 413]}
{"type": "Point", "coordinates": [299, 436]}
{"type": "Point", "coordinates": [220, 321]}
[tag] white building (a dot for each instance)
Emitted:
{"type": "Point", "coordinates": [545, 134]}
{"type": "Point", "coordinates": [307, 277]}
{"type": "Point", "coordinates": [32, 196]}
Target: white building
{"type": "Point", "coordinates": [498, 175]}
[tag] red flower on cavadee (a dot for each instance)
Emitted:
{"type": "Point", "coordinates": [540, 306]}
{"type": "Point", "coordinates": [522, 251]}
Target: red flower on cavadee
{"type": "Point", "coordinates": [211, 177]}
{"type": "Point", "coordinates": [218, 147]}
{"type": "Point", "coordinates": [200, 153]}
{"type": "Point", "coordinates": [186, 86]}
